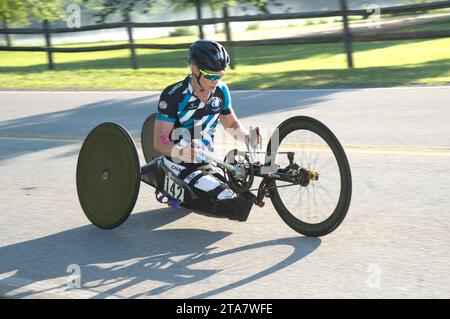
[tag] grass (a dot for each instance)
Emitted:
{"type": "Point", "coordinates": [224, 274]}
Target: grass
{"type": "Point", "coordinates": [389, 63]}
{"type": "Point", "coordinates": [430, 26]}
{"type": "Point", "coordinates": [422, 27]}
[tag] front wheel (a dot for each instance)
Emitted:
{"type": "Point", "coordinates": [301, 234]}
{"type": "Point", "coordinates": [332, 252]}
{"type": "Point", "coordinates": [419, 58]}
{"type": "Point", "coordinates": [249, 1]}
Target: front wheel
{"type": "Point", "coordinates": [315, 193]}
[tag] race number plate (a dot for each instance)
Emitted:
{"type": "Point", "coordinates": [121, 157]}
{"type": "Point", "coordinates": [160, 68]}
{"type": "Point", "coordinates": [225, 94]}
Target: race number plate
{"type": "Point", "coordinates": [173, 189]}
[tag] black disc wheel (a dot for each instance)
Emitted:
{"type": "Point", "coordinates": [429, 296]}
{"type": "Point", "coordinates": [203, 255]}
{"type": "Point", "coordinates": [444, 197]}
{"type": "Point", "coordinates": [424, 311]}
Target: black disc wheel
{"type": "Point", "coordinates": [108, 175]}
{"type": "Point", "coordinates": [315, 198]}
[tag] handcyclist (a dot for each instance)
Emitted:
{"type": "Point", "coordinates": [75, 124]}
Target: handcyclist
{"type": "Point", "coordinates": [188, 113]}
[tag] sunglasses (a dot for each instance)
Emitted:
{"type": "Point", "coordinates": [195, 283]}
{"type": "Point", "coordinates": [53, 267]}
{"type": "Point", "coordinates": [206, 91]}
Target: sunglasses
{"type": "Point", "coordinates": [211, 76]}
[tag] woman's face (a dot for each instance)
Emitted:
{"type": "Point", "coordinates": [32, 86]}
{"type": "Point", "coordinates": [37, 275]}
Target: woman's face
{"type": "Point", "coordinates": [206, 84]}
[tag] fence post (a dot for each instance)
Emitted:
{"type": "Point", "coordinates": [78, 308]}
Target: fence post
{"type": "Point", "coordinates": [198, 4]}
{"type": "Point", "coordinates": [134, 62]}
{"type": "Point", "coordinates": [48, 43]}
{"type": "Point", "coordinates": [347, 34]}
{"type": "Point", "coordinates": [228, 36]}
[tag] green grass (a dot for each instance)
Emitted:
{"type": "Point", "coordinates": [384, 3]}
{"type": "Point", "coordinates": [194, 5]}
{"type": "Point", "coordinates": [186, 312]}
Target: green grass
{"type": "Point", "coordinates": [430, 26]}
{"type": "Point", "coordinates": [289, 66]}
{"type": "Point", "coordinates": [422, 27]}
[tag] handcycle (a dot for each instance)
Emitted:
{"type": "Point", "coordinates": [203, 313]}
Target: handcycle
{"type": "Point", "coordinates": [305, 173]}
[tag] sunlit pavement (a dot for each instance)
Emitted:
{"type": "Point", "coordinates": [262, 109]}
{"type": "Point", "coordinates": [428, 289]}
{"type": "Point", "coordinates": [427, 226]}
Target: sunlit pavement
{"type": "Point", "coordinates": [393, 243]}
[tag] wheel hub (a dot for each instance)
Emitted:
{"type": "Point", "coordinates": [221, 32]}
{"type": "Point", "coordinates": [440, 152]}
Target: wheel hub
{"type": "Point", "coordinates": [313, 175]}
{"type": "Point", "coordinates": [241, 178]}
{"type": "Point", "coordinates": [240, 172]}
{"type": "Point", "coordinates": [105, 175]}
{"type": "Point", "coordinates": [303, 177]}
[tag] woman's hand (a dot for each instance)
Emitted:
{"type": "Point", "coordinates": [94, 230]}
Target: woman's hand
{"type": "Point", "coordinates": [254, 137]}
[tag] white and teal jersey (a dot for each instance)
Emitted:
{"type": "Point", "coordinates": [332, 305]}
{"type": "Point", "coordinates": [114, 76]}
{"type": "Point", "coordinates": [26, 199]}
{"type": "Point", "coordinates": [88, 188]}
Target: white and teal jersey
{"type": "Point", "coordinates": [191, 117]}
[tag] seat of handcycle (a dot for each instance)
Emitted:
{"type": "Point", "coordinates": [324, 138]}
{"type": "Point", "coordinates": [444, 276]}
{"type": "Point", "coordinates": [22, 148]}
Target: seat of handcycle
{"type": "Point", "coordinates": [158, 175]}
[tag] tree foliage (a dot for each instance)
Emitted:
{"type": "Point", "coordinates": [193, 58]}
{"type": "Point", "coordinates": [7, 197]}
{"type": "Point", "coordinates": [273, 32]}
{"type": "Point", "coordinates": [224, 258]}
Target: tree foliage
{"type": "Point", "coordinates": [261, 5]}
{"type": "Point", "coordinates": [105, 9]}
{"type": "Point", "coordinates": [124, 8]}
{"type": "Point", "coordinates": [20, 12]}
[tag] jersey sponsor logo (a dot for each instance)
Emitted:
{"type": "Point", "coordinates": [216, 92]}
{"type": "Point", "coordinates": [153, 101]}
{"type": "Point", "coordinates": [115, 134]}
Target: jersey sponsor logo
{"type": "Point", "coordinates": [172, 90]}
{"type": "Point", "coordinates": [177, 168]}
{"type": "Point", "coordinates": [215, 104]}
{"type": "Point", "coordinates": [163, 105]}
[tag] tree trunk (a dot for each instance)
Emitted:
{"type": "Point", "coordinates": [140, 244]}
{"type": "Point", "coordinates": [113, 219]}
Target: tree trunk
{"type": "Point", "coordinates": [213, 15]}
{"type": "Point", "coordinates": [7, 35]}
{"type": "Point", "coordinates": [229, 45]}
{"type": "Point", "coordinates": [198, 4]}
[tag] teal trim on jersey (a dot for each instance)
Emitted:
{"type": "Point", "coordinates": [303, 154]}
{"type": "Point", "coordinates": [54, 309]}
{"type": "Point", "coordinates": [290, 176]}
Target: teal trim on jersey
{"type": "Point", "coordinates": [226, 94]}
{"type": "Point", "coordinates": [205, 124]}
{"type": "Point", "coordinates": [205, 141]}
{"type": "Point", "coordinates": [182, 106]}
{"type": "Point", "coordinates": [166, 119]}
{"type": "Point", "coordinates": [215, 124]}
{"type": "Point", "coordinates": [188, 124]}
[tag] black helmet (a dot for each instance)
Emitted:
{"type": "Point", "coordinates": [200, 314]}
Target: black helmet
{"type": "Point", "coordinates": [209, 55]}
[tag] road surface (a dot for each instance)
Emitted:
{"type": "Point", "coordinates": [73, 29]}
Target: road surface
{"type": "Point", "coordinates": [394, 242]}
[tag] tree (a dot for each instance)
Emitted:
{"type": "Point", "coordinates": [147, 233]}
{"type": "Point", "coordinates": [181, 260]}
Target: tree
{"type": "Point", "coordinates": [19, 12]}
{"type": "Point", "coordinates": [124, 8]}
{"type": "Point", "coordinates": [107, 8]}
{"type": "Point", "coordinates": [214, 5]}
{"type": "Point", "coordinates": [14, 13]}
{"type": "Point", "coordinates": [261, 5]}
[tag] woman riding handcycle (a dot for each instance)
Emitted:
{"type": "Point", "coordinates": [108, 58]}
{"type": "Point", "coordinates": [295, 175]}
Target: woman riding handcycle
{"type": "Point", "coordinates": [305, 171]}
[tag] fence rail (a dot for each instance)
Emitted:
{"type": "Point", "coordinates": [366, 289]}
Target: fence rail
{"type": "Point", "coordinates": [346, 36]}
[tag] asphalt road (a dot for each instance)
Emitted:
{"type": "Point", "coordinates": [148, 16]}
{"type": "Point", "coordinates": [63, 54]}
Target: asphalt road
{"type": "Point", "coordinates": [394, 242]}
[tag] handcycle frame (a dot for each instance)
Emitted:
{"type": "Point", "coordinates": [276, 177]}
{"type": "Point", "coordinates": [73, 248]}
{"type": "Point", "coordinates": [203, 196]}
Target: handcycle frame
{"type": "Point", "coordinates": [109, 174]}
{"type": "Point", "coordinates": [268, 171]}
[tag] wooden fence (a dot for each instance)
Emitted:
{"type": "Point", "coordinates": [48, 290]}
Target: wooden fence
{"type": "Point", "coordinates": [346, 36]}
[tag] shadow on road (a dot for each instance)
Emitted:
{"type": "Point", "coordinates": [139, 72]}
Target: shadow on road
{"type": "Point", "coordinates": [135, 253]}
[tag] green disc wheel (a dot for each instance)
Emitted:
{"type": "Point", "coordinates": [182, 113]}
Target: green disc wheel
{"type": "Point", "coordinates": [108, 175]}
